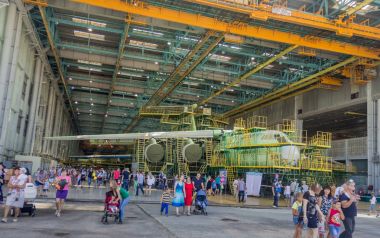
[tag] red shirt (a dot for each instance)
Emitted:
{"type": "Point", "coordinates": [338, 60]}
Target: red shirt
{"type": "Point", "coordinates": [116, 174]}
{"type": "Point", "coordinates": [334, 217]}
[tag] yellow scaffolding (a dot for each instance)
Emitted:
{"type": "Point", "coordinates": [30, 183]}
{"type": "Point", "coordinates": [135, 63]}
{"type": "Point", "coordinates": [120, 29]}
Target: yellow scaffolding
{"type": "Point", "coordinates": [321, 140]}
{"type": "Point", "coordinates": [256, 122]}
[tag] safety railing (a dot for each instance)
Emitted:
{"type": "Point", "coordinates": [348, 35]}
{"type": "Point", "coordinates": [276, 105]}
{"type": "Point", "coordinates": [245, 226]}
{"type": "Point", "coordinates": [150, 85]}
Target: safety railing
{"type": "Point", "coordinates": [256, 122]}
{"type": "Point", "coordinates": [321, 140]}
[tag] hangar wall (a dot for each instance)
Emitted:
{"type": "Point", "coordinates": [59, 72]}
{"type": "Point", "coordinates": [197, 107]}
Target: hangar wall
{"type": "Point", "coordinates": [31, 106]}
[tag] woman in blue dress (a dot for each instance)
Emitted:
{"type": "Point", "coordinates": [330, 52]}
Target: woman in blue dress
{"type": "Point", "coordinates": [179, 195]}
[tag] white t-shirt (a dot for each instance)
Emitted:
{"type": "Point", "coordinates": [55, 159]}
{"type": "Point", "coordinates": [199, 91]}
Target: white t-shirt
{"type": "Point", "coordinates": [373, 200]}
{"type": "Point", "coordinates": [305, 188]}
{"type": "Point", "coordinates": [22, 178]}
{"type": "Point", "coordinates": [287, 190]}
{"type": "Point", "coordinates": [150, 181]}
{"type": "Point", "coordinates": [338, 191]}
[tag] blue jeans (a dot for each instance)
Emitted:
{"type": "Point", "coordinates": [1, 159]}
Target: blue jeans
{"type": "Point", "coordinates": [165, 206]}
{"type": "Point", "coordinates": [89, 181]}
{"type": "Point", "coordinates": [241, 196]}
{"type": "Point", "coordinates": [125, 184]}
{"type": "Point", "coordinates": [275, 199]}
{"type": "Point", "coordinates": [349, 227]}
{"type": "Point", "coordinates": [334, 231]}
{"type": "Point", "coordinates": [123, 204]}
{"type": "Point", "coordinates": [141, 187]}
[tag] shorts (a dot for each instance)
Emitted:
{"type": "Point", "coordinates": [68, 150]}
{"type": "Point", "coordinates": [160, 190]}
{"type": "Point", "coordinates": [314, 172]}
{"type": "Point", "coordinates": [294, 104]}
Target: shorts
{"type": "Point", "coordinates": [61, 194]}
{"type": "Point", "coordinates": [372, 207]}
{"type": "Point", "coordinates": [312, 221]}
{"type": "Point", "coordinates": [297, 220]}
{"type": "Point", "coordinates": [218, 186]}
{"type": "Point", "coordinates": [334, 231]}
{"type": "Point", "coordinates": [38, 183]}
{"type": "Point", "coordinates": [287, 196]}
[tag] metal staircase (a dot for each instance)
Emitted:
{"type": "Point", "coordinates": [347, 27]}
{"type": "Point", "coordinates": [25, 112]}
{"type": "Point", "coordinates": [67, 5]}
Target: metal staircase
{"type": "Point", "coordinates": [208, 151]}
{"type": "Point", "coordinates": [182, 165]}
{"type": "Point", "coordinates": [140, 158]}
{"type": "Point", "coordinates": [231, 176]}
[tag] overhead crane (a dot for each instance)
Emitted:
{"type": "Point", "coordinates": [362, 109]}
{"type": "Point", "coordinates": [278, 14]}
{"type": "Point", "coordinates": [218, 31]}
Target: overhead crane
{"type": "Point", "coordinates": [264, 12]}
{"type": "Point", "coordinates": [237, 28]}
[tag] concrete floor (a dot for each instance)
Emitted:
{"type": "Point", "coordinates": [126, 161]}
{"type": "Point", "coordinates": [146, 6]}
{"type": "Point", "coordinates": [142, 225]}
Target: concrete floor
{"type": "Point", "coordinates": [143, 220]}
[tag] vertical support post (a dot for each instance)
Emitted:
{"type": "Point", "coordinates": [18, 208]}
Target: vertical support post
{"type": "Point", "coordinates": [33, 106]}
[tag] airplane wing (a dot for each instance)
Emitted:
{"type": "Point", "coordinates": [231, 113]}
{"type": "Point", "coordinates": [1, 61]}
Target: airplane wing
{"type": "Point", "coordinates": [147, 135]}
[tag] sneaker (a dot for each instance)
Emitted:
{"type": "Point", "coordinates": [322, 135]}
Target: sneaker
{"type": "Point", "coordinates": [15, 220]}
{"type": "Point", "coordinates": [4, 220]}
{"type": "Point", "coordinates": [274, 207]}
{"type": "Point", "coordinates": [58, 214]}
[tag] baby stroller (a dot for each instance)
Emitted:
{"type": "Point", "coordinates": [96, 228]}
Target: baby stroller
{"type": "Point", "coordinates": [201, 203]}
{"type": "Point", "coordinates": [111, 209]}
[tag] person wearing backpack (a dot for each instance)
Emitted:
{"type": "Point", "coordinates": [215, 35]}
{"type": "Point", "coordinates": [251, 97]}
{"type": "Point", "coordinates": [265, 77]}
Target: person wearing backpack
{"type": "Point", "coordinates": [298, 215]}
{"type": "Point", "coordinates": [62, 184]}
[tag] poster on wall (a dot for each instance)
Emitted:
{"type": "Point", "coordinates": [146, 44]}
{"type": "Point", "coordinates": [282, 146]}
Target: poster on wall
{"type": "Point", "coordinates": [253, 182]}
{"type": "Point", "coordinates": [223, 177]}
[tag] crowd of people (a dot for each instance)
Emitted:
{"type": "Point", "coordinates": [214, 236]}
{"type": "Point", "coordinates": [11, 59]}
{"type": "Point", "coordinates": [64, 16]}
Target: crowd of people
{"type": "Point", "coordinates": [322, 211]}
{"type": "Point", "coordinates": [319, 211]}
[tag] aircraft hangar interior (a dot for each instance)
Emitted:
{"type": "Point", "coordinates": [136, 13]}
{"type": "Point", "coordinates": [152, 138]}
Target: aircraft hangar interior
{"type": "Point", "coordinates": [288, 89]}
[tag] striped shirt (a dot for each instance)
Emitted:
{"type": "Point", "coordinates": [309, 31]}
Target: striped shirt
{"type": "Point", "coordinates": [166, 197]}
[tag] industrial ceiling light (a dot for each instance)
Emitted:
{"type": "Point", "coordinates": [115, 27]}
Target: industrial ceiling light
{"type": "Point", "coordinates": [70, 78]}
{"type": "Point", "coordinates": [76, 102]}
{"type": "Point", "coordinates": [92, 104]}
{"type": "Point", "coordinates": [106, 115]}
{"type": "Point", "coordinates": [90, 81]}
{"type": "Point", "coordinates": [90, 99]}
{"type": "Point", "coordinates": [90, 29]}
{"type": "Point", "coordinates": [90, 114]}
{"type": "Point", "coordinates": [136, 95]}
{"type": "Point", "coordinates": [156, 62]}
{"type": "Point", "coordinates": [169, 43]}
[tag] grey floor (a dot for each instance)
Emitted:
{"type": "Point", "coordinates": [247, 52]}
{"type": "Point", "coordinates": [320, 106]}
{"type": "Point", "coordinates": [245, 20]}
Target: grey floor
{"type": "Point", "coordinates": [143, 220]}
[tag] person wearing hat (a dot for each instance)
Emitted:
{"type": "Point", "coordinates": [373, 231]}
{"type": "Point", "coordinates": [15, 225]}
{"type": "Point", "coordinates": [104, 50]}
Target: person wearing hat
{"type": "Point", "coordinates": [15, 196]}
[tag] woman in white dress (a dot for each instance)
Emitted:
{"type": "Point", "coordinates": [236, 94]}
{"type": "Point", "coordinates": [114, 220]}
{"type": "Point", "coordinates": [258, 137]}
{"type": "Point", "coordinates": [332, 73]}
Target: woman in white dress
{"type": "Point", "coordinates": [15, 196]}
{"type": "Point", "coordinates": [150, 181]}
